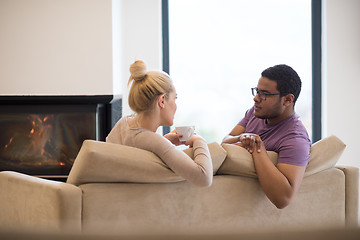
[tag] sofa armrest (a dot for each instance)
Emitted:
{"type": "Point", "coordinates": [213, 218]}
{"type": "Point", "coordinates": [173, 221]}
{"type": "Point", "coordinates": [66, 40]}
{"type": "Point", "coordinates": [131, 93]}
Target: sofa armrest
{"type": "Point", "coordinates": [351, 195]}
{"type": "Point", "coordinates": [33, 203]}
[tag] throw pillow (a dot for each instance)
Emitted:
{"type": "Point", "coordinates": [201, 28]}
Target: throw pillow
{"type": "Point", "coordinates": [107, 162]}
{"type": "Point", "coordinates": [323, 155]}
{"type": "Point", "coordinates": [240, 162]}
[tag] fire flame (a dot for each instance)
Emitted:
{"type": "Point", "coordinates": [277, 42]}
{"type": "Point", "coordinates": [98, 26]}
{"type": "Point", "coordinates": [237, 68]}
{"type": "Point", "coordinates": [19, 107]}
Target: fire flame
{"type": "Point", "coordinates": [34, 145]}
{"type": "Point", "coordinates": [10, 141]}
{"type": "Point", "coordinates": [39, 135]}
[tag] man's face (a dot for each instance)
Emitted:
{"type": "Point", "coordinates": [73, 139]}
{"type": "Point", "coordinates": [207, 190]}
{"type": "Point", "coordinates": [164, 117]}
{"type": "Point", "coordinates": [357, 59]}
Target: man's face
{"type": "Point", "coordinates": [268, 106]}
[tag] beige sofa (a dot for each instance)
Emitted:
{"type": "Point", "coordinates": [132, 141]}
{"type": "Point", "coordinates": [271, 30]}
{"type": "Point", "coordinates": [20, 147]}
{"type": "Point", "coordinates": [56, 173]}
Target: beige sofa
{"type": "Point", "coordinates": [115, 188]}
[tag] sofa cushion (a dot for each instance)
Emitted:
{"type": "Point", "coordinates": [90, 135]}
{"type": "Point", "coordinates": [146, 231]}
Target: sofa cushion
{"type": "Point", "coordinates": [240, 162]}
{"type": "Point", "coordinates": [102, 162]}
{"type": "Point", "coordinates": [323, 155]}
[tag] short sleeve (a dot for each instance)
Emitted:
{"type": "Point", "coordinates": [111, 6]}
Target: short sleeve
{"type": "Point", "coordinates": [247, 117]}
{"type": "Point", "coordinates": [296, 151]}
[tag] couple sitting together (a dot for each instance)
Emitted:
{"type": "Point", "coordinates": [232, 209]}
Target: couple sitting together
{"type": "Point", "coordinates": [270, 125]}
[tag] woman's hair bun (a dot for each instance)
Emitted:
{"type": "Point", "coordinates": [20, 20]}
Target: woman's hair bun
{"type": "Point", "coordinates": [138, 70]}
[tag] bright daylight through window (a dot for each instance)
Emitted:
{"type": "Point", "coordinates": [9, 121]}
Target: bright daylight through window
{"type": "Point", "coordinates": [218, 49]}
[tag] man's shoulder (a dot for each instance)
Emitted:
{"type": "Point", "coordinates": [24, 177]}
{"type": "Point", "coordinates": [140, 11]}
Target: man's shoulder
{"type": "Point", "coordinates": [296, 125]}
{"type": "Point", "coordinates": [295, 130]}
{"type": "Point", "coordinates": [295, 137]}
{"type": "Point", "coordinates": [289, 134]}
{"type": "Point", "coordinates": [294, 146]}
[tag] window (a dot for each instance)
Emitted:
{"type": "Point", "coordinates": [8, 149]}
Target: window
{"type": "Point", "coordinates": [218, 50]}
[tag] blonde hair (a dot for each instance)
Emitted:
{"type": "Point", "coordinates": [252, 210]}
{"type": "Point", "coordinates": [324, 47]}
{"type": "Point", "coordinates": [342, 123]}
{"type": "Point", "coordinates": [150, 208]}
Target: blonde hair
{"type": "Point", "coordinates": [146, 86]}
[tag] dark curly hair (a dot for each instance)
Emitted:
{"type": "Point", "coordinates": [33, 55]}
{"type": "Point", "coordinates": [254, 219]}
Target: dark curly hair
{"type": "Point", "coordinates": [288, 81]}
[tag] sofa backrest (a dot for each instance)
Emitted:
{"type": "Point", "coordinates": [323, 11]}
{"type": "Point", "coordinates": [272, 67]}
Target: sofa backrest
{"type": "Point", "coordinates": [101, 162]}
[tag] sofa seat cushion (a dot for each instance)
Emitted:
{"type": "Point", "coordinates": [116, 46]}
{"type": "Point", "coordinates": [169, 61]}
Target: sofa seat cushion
{"type": "Point", "coordinates": [324, 154]}
{"type": "Point", "coordinates": [101, 162]}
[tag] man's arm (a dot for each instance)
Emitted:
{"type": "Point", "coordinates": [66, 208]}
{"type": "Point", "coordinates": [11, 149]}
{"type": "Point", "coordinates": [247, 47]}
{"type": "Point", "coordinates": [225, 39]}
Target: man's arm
{"type": "Point", "coordinates": [234, 135]}
{"type": "Point", "coordinates": [281, 182]}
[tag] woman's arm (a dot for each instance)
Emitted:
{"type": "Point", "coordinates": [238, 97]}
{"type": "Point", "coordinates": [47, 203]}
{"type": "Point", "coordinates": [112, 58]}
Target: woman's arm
{"type": "Point", "coordinates": [174, 138]}
{"type": "Point", "coordinates": [198, 171]}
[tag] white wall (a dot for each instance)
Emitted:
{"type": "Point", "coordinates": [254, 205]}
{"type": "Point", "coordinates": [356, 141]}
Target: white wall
{"type": "Point", "coordinates": [76, 47]}
{"type": "Point", "coordinates": [341, 75]}
{"type": "Point", "coordinates": [57, 47]}
{"type": "Point", "coordinates": [141, 39]}
{"type": "Point", "coordinates": [116, 46]}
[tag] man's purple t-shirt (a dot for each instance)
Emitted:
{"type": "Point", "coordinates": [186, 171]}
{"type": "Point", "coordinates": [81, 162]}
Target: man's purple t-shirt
{"type": "Point", "coordinates": [288, 138]}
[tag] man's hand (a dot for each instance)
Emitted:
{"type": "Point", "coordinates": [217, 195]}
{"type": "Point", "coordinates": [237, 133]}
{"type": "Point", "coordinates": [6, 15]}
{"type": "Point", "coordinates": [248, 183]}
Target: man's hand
{"type": "Point", "coordinates": [250, 142]}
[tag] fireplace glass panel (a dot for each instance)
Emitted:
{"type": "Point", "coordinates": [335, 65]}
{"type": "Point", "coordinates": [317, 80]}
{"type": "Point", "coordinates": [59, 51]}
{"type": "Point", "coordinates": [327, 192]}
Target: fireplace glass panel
{"type": "Point", "coordinates": [44, 140]}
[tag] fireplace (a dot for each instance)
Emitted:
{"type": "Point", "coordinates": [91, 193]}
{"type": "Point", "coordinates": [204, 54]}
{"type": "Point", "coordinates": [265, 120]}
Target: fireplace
{"type": "Point", "coordinates": [42, 135]}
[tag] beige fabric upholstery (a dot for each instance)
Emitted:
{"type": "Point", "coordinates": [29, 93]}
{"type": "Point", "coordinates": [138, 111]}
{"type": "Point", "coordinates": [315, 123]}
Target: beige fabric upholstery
{"type": "Point", "coordinates": [157, 199]}
{"type": "Point", "coordinates": [107, 162]}
{"type": "Point", "coordinates": [351, 195]}
{"type": "Point", "coordinates": [231, 202]}
{"type": "Point", "coordinates": [323, 155]}
{"type": "Point", "coordinates": [336, 233]}
{"type": "Point", "coordinates": [239, 161]}
{"type": "Point", "coordinates": [37, 203]}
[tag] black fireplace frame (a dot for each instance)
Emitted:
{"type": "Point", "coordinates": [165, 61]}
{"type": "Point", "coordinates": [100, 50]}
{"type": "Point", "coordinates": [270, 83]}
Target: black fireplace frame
{"type": "Point", "coordinates": [109, 106]}
{"type": "Point", "coordinates": [108, 110]}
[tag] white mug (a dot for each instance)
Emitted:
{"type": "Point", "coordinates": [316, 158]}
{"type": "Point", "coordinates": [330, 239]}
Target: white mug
{"type": "Point", "coordinates": [185, 131]}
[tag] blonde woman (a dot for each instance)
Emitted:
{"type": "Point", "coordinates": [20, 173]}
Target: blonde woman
{"type": "Point", "coordinates": [152, 97]}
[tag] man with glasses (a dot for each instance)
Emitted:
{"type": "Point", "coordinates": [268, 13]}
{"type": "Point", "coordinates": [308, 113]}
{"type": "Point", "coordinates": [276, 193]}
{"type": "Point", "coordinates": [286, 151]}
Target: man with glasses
{"type": "Point", "coordinates": [272, 125]}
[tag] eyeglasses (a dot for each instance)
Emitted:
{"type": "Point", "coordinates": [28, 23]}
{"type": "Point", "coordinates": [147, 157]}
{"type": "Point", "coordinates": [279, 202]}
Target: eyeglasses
{"type": "Point", "coordinates": [262, 95]}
